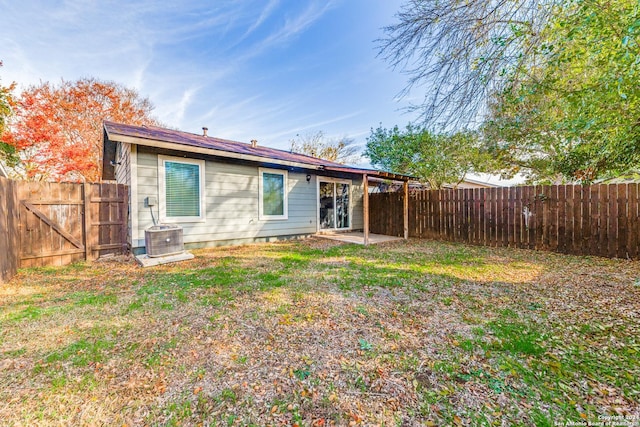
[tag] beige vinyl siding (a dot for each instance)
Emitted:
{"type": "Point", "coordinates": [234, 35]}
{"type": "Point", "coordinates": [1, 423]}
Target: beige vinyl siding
{"type": "Point", "coordinates": [147, 172]}
{"type": "Point", "coordinates": [123, 164]}
{"type": "Point", "coordinates": [231, 198]}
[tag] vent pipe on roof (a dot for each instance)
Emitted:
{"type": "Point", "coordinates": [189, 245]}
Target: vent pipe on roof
{"type": "Point", "coordinates": [204, 131]}
{"type": "Point", "coordinates": [254, 143]}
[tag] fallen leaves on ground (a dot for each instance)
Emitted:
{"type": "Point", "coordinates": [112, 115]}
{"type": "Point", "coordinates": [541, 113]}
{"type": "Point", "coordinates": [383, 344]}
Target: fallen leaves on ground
{"type": "Point", "coordinates": [317, 333]}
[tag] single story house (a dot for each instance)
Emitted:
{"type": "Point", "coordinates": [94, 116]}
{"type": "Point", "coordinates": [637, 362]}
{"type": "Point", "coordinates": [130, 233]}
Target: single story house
{"type": "Point", "coordinates": [224, 192]}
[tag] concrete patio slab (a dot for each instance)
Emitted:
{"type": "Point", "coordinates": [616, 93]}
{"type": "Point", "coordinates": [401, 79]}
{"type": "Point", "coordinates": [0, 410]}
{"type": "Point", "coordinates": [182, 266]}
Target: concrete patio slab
{"type": "Point", "coordinates": [147, 261]}
{"type": "Point", "coordinates": [357, 237]}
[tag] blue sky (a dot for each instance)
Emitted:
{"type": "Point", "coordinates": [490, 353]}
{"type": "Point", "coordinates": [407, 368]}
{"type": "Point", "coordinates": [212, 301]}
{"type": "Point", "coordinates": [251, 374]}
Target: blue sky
{"type": "Point", "coordinates": [265, 70]}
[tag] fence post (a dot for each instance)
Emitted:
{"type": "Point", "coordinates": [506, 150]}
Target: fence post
{"type": "Point", "coordinates": [405, 209]}
{"type": "Point", "coordinates": [86, 193]}
{"type": "Point", "coordinates": [365, 207]}
{"type": "Point", "coordinates": [9, 229]}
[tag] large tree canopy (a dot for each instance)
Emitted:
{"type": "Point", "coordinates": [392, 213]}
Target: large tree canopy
{"type": "Point", "coordinates": [56, 130]}
{"type": "Point", "coordinates": [553, 83]}
{"type": "Point", "coordinates": [575, 115]}
{"type": "Point", "coordinates": [436, 159]}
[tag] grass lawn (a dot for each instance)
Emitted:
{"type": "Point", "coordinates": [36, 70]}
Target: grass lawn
{"type": "Point", "coordinates": [316, 333]}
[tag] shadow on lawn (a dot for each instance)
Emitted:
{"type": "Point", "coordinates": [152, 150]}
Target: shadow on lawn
{"type": "Point", "coordinates": [434, 320]}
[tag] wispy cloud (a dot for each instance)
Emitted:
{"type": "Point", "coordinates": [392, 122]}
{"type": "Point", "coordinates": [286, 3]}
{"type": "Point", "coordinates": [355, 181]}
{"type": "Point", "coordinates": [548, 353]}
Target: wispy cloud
{"type": "Point", "coordinates": [241, 107]}
{"type": "Point", "coordinates": [313, 126]}
{"type": "Point", "coordinates": [183, 104]}
{"type": "Point", "coordinates": [297, 24]}
{"type": "Point", "coordinates": [264, 14]}
{"type": "Point", "coordinates": [292, 26]}
{"type": "Point", "coordinates": [332, 120]}
{"type": "Point", "coordinates": [247, 69]}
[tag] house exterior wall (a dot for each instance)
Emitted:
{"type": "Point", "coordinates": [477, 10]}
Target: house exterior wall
{"type": "Point", "coordinates": [123, 163]}
{"type": "Point", "coordinates": [123, 175]}
{"type": "Point", "coordinates": [232, 204]}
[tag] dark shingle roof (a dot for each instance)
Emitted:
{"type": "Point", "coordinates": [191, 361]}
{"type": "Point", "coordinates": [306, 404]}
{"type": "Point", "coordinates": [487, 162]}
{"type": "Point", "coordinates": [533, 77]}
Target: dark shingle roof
{"type": "Point", "coordinates": [194, 140]}
{"type": "Point", "coordinates": [232, 148]}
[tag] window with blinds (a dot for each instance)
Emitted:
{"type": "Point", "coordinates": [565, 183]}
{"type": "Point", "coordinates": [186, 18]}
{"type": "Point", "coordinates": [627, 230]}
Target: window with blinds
{"type": "Point", "coordinates": [182, 189]}
{"type": "Point", "coordinates": [181, 184]}
{"type": "Point", "coordinates": [273, 194]}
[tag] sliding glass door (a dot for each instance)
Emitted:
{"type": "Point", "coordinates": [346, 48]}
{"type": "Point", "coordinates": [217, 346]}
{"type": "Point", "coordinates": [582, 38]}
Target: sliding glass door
{"type": "Point", "coordinates": [334, 205]}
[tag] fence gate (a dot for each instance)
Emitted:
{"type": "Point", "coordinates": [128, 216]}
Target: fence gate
{"type": "Point", "coordinates": [63, 223]}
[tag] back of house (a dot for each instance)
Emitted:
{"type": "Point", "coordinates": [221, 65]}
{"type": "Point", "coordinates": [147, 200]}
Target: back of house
{"type": "Point", "coordinates": [224, 192]}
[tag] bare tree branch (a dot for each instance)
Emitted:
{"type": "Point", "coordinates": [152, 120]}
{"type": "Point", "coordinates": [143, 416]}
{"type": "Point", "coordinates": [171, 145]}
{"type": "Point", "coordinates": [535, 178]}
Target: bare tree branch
{"type": "Point", "coordinates": [317, 145]}
{"type": "Point", "coordinates": [459, 52]}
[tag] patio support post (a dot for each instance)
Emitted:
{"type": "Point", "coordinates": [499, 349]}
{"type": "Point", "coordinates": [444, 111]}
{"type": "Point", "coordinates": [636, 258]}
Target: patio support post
{"type": "Point", "coordinates": [365, 208]}
{"type": "Point", "coordinates": [406, 210]}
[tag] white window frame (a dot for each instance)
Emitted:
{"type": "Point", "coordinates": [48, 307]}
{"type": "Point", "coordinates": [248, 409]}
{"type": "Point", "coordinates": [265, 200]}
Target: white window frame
{"type": "Point", "coordinates": [162, 190]}
{"type": "Point", "coordinates": [285, 175]}
{"type": "Point", "coordinates": [334, 181]}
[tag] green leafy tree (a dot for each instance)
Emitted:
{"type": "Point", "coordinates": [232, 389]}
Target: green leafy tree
{"type": "Point", "coordinates": [433, 158]}
{"type": "Point", "coordinates": [7, 152]}
{"type": "Point", "coordinates": [5, 104]}
{"type": "Point", "coordinates": [574, 113]}
{"type": "Point", "coordinates": [553, 83]}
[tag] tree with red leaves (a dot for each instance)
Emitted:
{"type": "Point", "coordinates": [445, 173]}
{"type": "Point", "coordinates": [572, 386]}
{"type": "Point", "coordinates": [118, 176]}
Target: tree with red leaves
{"type": "Point", "coordinates": [57, 130]}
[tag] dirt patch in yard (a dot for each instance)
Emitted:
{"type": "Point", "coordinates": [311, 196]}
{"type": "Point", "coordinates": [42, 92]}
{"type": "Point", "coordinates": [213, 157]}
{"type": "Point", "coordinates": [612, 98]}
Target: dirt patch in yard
{"type": "Point", "coordinates": [317, 333]}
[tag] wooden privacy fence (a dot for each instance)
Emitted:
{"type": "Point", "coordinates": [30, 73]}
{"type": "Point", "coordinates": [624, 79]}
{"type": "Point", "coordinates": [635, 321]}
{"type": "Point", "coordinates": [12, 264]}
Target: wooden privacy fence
{"type": "Point", "coordinates": [57, 224]}
{"type": "Point", "coordinates": [600, 220]}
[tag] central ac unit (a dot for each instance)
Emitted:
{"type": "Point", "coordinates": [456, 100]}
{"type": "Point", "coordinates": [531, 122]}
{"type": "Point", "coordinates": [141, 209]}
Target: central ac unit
{"type": "Point", "coordinates": [161, 240]}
